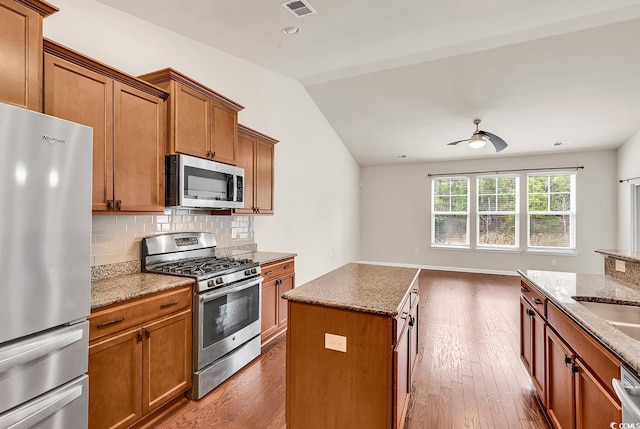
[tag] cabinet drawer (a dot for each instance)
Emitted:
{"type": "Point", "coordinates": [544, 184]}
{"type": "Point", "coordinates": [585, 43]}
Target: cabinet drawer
{"type": "Point", "coordinates": [415, 293]}
{"type": "Point", "coordinates": [537, 300]}
{"type": "Point", "coordinates": [130, 313]}
{"type": "Point", "coordinates": [279, 269]}
{"type": "Point", "coordinates": [402, 319]}
{"type": "Point", "coordinates": [597, 358]}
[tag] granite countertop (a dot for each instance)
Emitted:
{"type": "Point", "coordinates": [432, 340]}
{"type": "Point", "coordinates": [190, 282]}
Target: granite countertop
{"type": "Point", "coordinates": [629, 255]}
{"type": "Point", "coordinates": [360, 287]}
{"type": "Point", "coordinates": [264, 258]}
{"type": "Point", "coordinates": [121, 288]}
{"type": "Point", "coordinates": [560, 288]}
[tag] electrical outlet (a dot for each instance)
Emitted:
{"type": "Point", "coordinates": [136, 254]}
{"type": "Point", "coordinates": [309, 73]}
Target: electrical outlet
{"type": "Point", "coordinates": [553, 262]}
{"type": "Point", "coordinates": [335, 342]}
{"type": "Point", "coordinates": [620, 266]}
{"type": "Point", "coordinates": [332, 254]}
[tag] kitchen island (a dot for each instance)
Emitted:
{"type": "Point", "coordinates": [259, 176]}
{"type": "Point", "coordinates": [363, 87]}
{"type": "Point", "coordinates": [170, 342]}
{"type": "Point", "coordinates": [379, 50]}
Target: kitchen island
{"type": "Point", "coordinates": [351, 346]}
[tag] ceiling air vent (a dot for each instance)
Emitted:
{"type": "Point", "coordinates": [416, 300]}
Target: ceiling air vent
{"type": "Point", "coordinates": [299, 8]}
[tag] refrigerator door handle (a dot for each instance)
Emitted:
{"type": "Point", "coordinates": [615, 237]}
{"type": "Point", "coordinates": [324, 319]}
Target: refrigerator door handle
{"type": "Point", "coordinates": [15, 355]}
{"type": "Point", "coordinates": [30, 415]}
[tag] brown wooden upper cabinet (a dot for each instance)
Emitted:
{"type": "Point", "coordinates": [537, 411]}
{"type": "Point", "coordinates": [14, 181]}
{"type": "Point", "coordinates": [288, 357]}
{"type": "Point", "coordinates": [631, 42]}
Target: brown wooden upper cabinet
{"type": "Point", "coordinates": [201, 122]}
{"type": "Point", "coordinates": [254, 153]}
{"type": "Point", "coordinates": [128, 117]}
{"type": "Point", "coordinates": [21, 51]}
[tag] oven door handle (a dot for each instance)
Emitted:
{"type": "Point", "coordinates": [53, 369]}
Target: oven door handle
{"type": "Point", "coordinates": [217, 293]}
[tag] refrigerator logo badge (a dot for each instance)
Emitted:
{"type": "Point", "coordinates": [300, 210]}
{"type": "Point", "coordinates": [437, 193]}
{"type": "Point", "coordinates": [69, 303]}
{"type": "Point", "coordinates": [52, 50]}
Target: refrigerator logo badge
{"type": "Point", "coordinates": [52, 140]}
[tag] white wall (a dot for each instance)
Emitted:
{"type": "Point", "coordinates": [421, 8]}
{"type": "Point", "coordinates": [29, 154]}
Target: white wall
{"type": "Point", "coordinates": [316, 179]}
{"type": "Point", "coordinates": [628, 167]}
{"type": "Point", "coordinates": [396, 208]}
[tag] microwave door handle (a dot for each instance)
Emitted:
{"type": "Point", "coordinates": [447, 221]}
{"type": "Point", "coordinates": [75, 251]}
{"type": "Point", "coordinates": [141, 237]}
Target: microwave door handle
{"type": "Point", "coordinates": [209, 296]}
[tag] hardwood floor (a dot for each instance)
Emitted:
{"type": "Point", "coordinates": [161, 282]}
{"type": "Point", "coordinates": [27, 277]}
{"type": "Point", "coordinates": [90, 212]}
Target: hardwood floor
{"type": "Point", "coordinates": [468, 372]}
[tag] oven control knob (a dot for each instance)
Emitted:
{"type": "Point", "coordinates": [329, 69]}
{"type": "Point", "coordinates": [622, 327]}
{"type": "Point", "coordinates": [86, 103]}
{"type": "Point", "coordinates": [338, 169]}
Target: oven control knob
{"type": "Point", "coordinates": [247, 272]}
{"type": "Point", "coordinates": [253, 271]}
{"type": "Point", "coordinates": [219, 281]}
{"type": "Point", "coordinates": [210, 283]}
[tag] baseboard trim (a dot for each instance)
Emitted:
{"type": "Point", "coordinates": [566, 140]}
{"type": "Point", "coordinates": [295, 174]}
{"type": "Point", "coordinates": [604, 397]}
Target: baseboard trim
{"type": "Point", "coordinates": [439, 268]}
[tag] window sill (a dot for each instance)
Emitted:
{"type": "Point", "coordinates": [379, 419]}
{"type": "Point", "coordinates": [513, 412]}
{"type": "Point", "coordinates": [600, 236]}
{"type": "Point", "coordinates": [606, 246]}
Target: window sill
{"type": "Point", "coordinates": [499, 249]}
{"type": "Point", "coordinates": [450, 247]}
{"type": "Point", "coordinates": [553, 252]}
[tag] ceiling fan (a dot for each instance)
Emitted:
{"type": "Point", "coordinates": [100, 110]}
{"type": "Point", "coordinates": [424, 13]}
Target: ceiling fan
{"type": "Point", "coordinates": [480, 138]}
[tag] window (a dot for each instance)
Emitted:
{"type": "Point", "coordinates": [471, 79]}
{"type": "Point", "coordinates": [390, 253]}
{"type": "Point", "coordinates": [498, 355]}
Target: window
{"type": "Point", "coordinates": [551, 210]}
{"type": "Point", "coordinates": [450, 211]}
{"type": "Point", "coordinates": [497, 211]}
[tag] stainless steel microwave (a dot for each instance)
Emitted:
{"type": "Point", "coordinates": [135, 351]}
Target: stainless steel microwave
{"type": "Point", "coordinates": [199, 183]}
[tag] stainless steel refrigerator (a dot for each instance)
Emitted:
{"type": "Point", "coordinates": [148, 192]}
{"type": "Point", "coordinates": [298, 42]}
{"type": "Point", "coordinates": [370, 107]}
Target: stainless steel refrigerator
{"type": "Point", "coordinates": [45, 269]}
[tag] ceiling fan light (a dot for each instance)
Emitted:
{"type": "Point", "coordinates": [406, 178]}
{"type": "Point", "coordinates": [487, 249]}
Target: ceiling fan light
{"type": "Point", "coordinates": [477, 141]}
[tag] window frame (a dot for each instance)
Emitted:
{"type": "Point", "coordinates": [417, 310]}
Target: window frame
{"type": "Point", "coordinates": [571, 213]}
{"type": "Point", "coordinates": [515, 212]}
{"type": "Point", "coordinates": [434, 213]}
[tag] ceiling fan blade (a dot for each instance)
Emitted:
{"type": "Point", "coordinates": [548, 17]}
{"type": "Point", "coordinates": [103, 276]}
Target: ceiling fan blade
{"type": "Point", "coordinates": [455, 143]}
{"type": "Point", "coordinates": [497, 142]}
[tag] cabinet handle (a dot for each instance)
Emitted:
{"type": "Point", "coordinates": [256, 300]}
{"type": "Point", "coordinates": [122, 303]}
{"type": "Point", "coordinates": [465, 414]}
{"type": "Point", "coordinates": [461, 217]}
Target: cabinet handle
{"type": "Point", "coordinates": [147, 333]}
{"type": "Point", "coordinates": [139, 335]}
{"type": "Point", "coordinates": [412, 320]}
{"type": "Point", "coordinates": [575, 368]}
{"type": "Point", "coordinates": [110, 322]}
{"type": "Point", "coordinates": [213, 155]}
{"type": "Point", "coordinates": [404, 315]}
{"type": "Point", "coordinates": [286, 267]}
{"type": "Point", "coordinates": [268, 273]}
{"type": "Point", "coordinates": [537, 301]}
{"type": "Point", "coordinates": [278, 282]}
{"type": "Point", "coordinates": [524, 289]}
{"type": "Point", "coordinates": [110, 205]}
{"type": "Point", "coordinates": [529, 312]}
{"type": "Point", "coordinates": [169, 304]}
{"type": "Point", "coordinates": [567, 360]}
{"type": "Point", "coordinates": [118, 205]}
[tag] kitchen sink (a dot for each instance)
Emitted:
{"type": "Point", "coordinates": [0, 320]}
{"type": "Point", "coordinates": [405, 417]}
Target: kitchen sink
{"type": "Point", "coordinates": [614, 312]}
{"type": "Point", "coordinates": [625, 317]}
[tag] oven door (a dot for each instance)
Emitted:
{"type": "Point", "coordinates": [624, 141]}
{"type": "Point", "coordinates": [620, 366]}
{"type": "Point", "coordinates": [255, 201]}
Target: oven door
{"type": "Point", "coordinates": [225, 319]}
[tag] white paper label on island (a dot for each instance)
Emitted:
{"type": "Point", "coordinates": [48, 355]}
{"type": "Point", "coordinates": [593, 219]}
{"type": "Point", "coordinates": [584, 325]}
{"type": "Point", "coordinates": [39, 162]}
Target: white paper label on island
{"type": "Point", "coordinates": [335, 342]}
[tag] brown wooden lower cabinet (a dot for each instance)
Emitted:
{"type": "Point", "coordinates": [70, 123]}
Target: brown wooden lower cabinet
{"type": "Point", "coordinates": [369, 385]}
{"type": "Point", "coordinates": [571, 370]}
{"type": "Point", "coordinates": [140, 369]}
{"type": "Point", "coordinates": [278, 278]}
{"type": "Point", "coordinates": [561, 401]}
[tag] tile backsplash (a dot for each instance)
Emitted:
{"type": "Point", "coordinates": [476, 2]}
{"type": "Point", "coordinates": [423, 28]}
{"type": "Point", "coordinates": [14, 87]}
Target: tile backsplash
{"type": "Point", "coordinates": [117, 238]}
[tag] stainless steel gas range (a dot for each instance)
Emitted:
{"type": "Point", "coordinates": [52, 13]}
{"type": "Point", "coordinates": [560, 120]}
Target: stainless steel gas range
{"type": "Point", "coordinates": [226, 305]}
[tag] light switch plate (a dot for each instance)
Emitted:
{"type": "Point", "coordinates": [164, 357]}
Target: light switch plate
{"type": "Point", "coordinates": [335, 342]}
{"type": "Point", "coordinates": [620, 265]}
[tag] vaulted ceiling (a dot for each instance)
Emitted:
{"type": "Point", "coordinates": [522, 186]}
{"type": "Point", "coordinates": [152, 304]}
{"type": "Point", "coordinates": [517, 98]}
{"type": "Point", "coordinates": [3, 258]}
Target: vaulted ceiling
{"type": "Point", "coordinates": [406, 77]}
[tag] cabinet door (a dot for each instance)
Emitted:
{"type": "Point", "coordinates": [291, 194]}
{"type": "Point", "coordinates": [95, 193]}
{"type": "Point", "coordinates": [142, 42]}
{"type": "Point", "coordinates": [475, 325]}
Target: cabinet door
{"type": "Point", "coordinates": [191, 121]}
{"type": "Point", "coordinates": [560, 386]}
{"type": "Point", "coordinates": [538, 332]}
{"type": "Point", "coordinates": [595, 407]}
{"type": "Point", "coordinates": [115, 381]}
{"type": "Point", "coordinates": [264, 177]}
{"type": "Point", "coordinates": [224, 136]}
{"type": "Point", "coordinates": [245, 158]}
{"type": "Point", "coordinates": [269, 316]}
{"type": "Point", "coordinates": [526, 332]}
{"type": "Point", "coordinates": [167, 360]}
{"type": "Point", "coordinates": [285, 284]}
{"type": "Point", "coordinates": [21, 47]}
{"type": "Point", "coordinates": [139, 149]}
{"type": "Point", "coordinates": [79, 95]}
{"type": "Point", "coordinates": [401, 383]}
{"type": "Point", "coordinates": [413, 339]}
